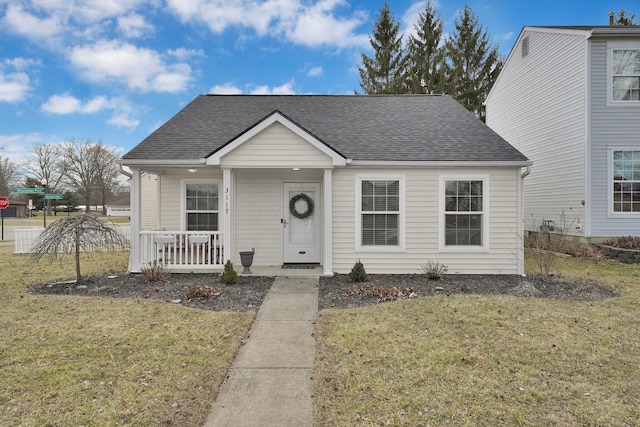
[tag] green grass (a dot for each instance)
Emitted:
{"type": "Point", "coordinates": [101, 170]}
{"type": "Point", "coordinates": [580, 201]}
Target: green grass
{"type": "Point", "coordinates": [74, 361]}
{"type": "Point", "coordinates": [469, 360]}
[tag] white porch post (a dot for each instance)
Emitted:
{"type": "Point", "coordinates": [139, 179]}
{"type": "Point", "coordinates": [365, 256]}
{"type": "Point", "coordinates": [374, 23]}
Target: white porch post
{"type": "Point", "coordinates": [327, 228]}
{"type": "Point", "coordinates": [227, 205]}
{"type": "Point", "coordinates": [134, 257]}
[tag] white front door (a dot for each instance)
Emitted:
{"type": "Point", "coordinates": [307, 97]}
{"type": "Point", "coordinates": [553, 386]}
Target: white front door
{"type": "Point", "coordinates": [301, 222]}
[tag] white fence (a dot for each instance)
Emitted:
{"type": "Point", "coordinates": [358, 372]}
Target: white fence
{"type": "Point", "coordinates": [182, 249]}
{"type": "Point", "coordinates": [25, 237]}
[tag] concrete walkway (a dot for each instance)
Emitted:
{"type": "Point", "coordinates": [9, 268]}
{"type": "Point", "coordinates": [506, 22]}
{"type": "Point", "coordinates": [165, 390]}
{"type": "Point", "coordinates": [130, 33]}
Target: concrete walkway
{"type": "Point", "coordinates": [269, 383]}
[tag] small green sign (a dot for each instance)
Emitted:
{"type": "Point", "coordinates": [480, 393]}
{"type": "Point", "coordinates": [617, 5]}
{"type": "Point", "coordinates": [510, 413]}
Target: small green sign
{"type": "Point", "coordinates": [53, 196]}
{"type": "Point", "coordinates": [29, 190]}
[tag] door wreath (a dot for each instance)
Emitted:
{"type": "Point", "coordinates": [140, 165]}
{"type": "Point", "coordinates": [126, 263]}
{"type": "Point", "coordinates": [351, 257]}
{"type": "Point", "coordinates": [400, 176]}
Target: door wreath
{"type": "Point", "coordinates": [292, 206]}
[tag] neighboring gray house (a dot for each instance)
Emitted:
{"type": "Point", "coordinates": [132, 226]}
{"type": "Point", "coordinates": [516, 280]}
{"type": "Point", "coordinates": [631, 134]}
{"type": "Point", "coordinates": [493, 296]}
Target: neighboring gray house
{"type": "Point", "coordinates": [569, 99]}
{"type": "Point", "coordinates": [393, 181]}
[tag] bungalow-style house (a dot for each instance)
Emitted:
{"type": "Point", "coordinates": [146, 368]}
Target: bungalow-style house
{"type": "Point", "coordinates": [394, 181]}
{"type": "Point", "coordinates": [569, 99]}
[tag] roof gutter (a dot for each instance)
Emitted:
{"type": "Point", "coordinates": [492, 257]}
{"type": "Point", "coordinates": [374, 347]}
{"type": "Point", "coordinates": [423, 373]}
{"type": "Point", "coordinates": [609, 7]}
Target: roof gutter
{"type": "Point", "coordinates": [161, 162]}
{"type": "Point", "coordinates": [439, 164]}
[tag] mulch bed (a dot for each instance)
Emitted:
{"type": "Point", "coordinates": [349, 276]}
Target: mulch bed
{"type": "Point", "coordinates": [204, 291]}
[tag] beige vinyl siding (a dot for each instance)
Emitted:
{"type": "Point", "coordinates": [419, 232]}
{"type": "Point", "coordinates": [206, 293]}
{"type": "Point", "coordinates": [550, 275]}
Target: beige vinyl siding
{"type": "Point", "coordinates": [612, 126]}
{"type": "Point", "coordinates": [258, 211]}
{"type": "Point", "coordinates": [422, 219]}
{"type": "Point", "coordinates": [172, 194]}
{"type": "Point", "coordinates": [539, 106]}
{"type": "Point", "coordinates": [149, 201]}
{"type": "Point", "coordinates": [276, 146]}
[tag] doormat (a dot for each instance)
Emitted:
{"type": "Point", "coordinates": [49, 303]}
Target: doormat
{"type": "Point", "coordinates": [300, 266]}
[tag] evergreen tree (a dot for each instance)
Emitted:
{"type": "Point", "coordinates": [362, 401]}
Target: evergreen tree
{"type": "Point", "coordinates": [474, 63]}
{"type": "Point", "coordinates": [384, 73]}
{"type": "Point", "coordinates": [427, 66]}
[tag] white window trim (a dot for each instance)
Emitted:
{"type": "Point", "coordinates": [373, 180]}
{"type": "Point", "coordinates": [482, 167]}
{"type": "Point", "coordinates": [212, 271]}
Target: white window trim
{"type": "Point", "coordinates": [485, 214]}
{"type": "Point", "coordinates": [611, 46]}
{"type": "Point", "coordinates": [400, 247]}
{"type": "Point", "coordinates": [183, 200]}
{"type": "Point", "coordinates": [610, 212]}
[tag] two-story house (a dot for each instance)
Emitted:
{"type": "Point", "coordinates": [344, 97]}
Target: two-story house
{"type": "Point", "coordinates": [569, 99]}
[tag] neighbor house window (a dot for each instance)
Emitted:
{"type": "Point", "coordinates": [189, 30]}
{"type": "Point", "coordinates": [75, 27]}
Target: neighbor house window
{"type": "Point", "coordinates": [202, 207]}
{"type": "Point", "coordinates": [380, 216]}
{"type": "Point", "coordinates": [626, 181]}
{"type": "Point", "coordinates": [625, 73]}
{"type": "Point", "coordinates": [463, 212]}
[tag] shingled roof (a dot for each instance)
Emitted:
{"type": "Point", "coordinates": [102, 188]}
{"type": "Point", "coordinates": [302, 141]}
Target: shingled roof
{"type": "Point", "coordinates": [380, 127]}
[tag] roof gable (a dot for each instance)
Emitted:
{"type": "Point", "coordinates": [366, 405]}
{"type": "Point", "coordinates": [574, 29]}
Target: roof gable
{"type": "Point", "coordinates": [276, 117]}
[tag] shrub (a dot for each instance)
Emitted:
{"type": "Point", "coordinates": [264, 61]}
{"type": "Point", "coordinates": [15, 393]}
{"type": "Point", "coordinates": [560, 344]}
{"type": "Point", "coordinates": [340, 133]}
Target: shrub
{"type": "Point", "coordinates": [358, 273]}
{"type": "Point", "coordinates": [627, 242]}
{"type": "Point", "coordinates": [229, 275]}
{"type": "Point", "coordinates": [155, 272]}
{"type": "Point", "coordinates": [434, 270]}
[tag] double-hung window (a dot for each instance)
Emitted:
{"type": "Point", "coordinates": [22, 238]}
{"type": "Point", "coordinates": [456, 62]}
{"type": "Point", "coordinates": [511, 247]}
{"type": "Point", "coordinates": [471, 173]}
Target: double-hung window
{"type": "Point", "coordinates": [625, 74]}
{"type": "Point", "coordinates": [626, 181]}
{"type": "Point", "coordinates": [201, 206]}
{"type": "Point", "coordinates": [380, 213]}
{"type": "Point", "coordinates": [464, 212]}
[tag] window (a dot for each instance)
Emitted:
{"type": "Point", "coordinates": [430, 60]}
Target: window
{"type": "Point", "coordinates": [380, 212]}
{"type": "Point", "coordinates": [625, 71]}
{"type": "Point", "coordinates": [201, 207]}
{"type": "Point", "coordinates": [626, 181]}
{"type": "Point", "coordinates": [464, 213]}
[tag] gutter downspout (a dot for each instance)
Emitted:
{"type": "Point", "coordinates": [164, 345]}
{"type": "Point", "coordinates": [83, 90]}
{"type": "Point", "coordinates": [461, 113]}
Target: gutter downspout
{"type": "Point", "coordinates": [124, 172]}
{"type": "Point", "coordinates": [523, 175]}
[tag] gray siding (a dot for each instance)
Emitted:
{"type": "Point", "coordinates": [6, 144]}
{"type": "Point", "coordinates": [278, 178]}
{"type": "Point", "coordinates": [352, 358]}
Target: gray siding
{"type": "Point", "coordinates": [538, 105]}
{"type": "Point", "coordinates": [611, 127]}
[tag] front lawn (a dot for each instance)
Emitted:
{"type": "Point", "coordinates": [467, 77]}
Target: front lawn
{"type": "Point", "coordinates": [73, 361]}
{"type": "Point", "coordinates": [469, 360]}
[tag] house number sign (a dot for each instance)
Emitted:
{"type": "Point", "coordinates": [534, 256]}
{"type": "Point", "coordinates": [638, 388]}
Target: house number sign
{"type": "Point", "coordinates": [226, 200]}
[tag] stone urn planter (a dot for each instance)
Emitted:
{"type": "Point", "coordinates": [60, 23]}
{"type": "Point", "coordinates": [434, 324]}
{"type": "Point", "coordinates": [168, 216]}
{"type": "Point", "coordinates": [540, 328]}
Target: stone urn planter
{"type": "Point", "coordinates": [246, 258]}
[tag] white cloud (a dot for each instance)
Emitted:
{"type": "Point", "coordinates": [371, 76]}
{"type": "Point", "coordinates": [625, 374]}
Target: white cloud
{"type": "Point", "coordinates": [122, 119]}
{"type": "Point", "coordinates": [13, 86]}
{"type": "Point", "coordinates": [315, 71]}
{"type": "Point", "coordinates": [62, 104]}
{"type": "Point", "coordinates": [134, 25]}
{"type": "Point", "coordinates": [139, 68]}
{"type": "Point", "coordinates": [15, 146]}
{"type": "Point", "coordinates": [68, 104]}
{"type": "Point", "coordinates": [182, 54]}
{"type": "Point", "coordinates": [22, 63]}
{"type": "Point", "coordinates": [285, 89]}
{"type": "Point", "coordinates": [225, 89]}
{"type": "Point", "coordinates": [27, 24]}
{"type": "Point", "coordinates": [309, 24]}
{"type": "Point", "coordinates": [230, 89]}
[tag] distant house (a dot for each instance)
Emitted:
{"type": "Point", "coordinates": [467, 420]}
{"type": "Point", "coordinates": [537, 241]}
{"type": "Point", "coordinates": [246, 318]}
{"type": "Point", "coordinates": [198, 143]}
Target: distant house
{"type": "Point", "coordinates": [393, 181]}
{"type": "Point", "coordinates": [120, 208]}
{"type": "Point", "coordinates": [569, 99]}
{"type": "Point", "coordinates": [16, 209]}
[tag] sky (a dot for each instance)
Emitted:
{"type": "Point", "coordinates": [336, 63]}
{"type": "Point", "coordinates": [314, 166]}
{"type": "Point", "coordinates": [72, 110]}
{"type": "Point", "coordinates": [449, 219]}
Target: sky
{"type": "Point", "coordinates": [115, 70]}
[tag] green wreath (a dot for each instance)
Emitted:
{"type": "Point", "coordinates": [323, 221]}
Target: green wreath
{"type": "Point", "coordinates": [292, 206]}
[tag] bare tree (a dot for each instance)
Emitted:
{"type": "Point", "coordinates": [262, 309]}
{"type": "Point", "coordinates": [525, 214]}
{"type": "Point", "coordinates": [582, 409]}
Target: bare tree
{"type": "Point", "coordinates": [9, 176]}
{"type": "Point", "coordinates": [77, 234]}
{"type": "Point", "coordinates": [46, 162]}
{"type": "Point", "coordinates": [91, 168]}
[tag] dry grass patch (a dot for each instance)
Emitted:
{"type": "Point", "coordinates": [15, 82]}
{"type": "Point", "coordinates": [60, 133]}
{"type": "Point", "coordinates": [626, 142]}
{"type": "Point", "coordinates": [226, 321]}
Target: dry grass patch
{"type": "Point", "coordinates": [96, 361]}
{"type": "Point", "coordinates": [484, 360]}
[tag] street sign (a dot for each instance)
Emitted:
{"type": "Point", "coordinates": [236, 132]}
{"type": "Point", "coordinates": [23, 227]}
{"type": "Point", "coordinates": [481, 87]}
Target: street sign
{"type": "Point", "coordinates": [53, 196]}
{"type": "Point", "coordinates": [29, 190]}
{"type": "Point", "coordinates": [4, 203]}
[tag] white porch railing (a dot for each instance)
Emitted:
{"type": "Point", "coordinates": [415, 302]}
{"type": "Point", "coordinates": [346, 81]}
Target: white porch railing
{"type": "Point", "coordinates": [24, 238]}
{"type": "Point", "coordinates": [181, 249]}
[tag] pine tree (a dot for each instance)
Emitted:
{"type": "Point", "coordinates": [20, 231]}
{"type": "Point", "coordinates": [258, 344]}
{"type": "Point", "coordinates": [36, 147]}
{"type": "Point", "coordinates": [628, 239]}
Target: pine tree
{"type": "Point", "coordinates": [474, 63]}
{"type": "Point", "coordinates": [384, 73]}
{"type": "Point", "coordinates": [427, 66]}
